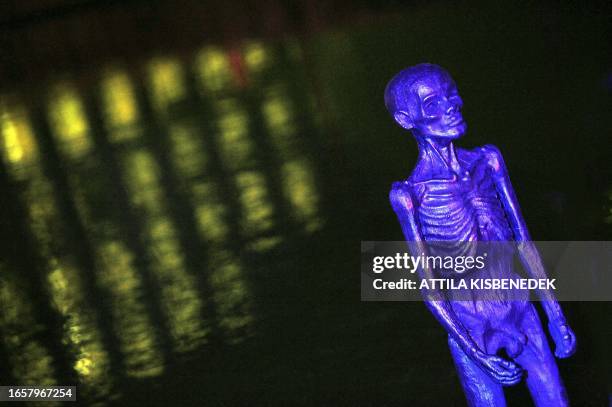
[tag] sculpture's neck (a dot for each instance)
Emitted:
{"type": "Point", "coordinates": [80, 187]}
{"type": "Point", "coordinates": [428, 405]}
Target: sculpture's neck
{"type": "Point", "coordinates": [438, 157]}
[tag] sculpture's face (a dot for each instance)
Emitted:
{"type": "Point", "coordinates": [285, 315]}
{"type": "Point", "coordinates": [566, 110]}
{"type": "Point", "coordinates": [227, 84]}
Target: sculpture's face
{"type": "Point", "coordinates": [435, 109]}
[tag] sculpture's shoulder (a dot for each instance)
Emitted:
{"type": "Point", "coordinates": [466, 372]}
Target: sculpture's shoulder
{"type": "Point", "coordinates": [489, 150]}
{"type": "Point", "coordinates": [401, 189]}
{"type": "Point", "coordinates": [488, 154]}
{"type": "Point", "coordinates": [400, 195]}
{"type": "Point", "coordinates": [493, 156]}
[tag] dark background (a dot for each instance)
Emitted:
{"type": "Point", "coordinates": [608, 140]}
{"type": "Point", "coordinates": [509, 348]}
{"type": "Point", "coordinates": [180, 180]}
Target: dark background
{"type": "Point", "coordinates": [110, 281]}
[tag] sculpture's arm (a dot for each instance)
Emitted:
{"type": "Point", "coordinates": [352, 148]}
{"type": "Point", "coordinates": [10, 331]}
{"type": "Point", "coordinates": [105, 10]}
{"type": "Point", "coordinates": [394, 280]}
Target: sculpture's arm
{"type": "Point", "coordinates": [504, 371]}
{"type": "Point", "coordinates": [529, 255]}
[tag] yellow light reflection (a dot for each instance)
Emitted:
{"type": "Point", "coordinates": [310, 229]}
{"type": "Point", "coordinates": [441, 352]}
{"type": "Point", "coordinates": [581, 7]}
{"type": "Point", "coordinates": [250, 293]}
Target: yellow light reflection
{"type": "Point", "coordinates": [118, 98]}
{"type": "Point", "coordinates": [257, 56]}
{"type": "Point", "coordinates": [115, 271]}
{"type": "Point", "coordinates": [213, 69]}
{"type": "Point", "coordinates": [181, 301]}
{"type": "Point", "coordinates": [257, 211]}
{"type": "Point", "coordinates": [69, 122]}
{"type": "Point", "coordinates": [231, 295]}
{"type": "Point", "coordinates": [237, 152]}
{"type": "Point", "coordinates": [167, 80]}
{"type": "Point", "coordinates": [31, 362]}
{"type": "Point", "coordinates": [189, 159]}
{"type": "Point", "coordinates": [141, 174]}
{"type": "Point", "coordinates": [225, 271]}
{"type": "Point", "coordinates": [186, 152]}
{"type": "Point", "coordinates": [298, 182]}
{"type": "Point", "coordinates": [279, 116]}
{"type": "Point", "coordinates": [210, 212]}
{"type": "Point", "coordinates": [119, 103]}
{"type": "Point", "coordinates": [18, 145]}
{"type": "Point", "coordinates": [236, 147]}
{"type": "Point", "coordinates": [81, 333]}
{"type": "Point", "coordinates": [133, 325]}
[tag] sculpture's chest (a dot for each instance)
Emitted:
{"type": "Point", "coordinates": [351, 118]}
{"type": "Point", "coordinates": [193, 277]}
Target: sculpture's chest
{"type": "Point", "coordinates": [462, 208]}
{"type": "Point", "coordinates": [466, 190]}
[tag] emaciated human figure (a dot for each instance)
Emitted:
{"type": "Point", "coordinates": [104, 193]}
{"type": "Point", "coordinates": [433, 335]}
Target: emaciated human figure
{"type": "Point", "coordinates": [458, 195]}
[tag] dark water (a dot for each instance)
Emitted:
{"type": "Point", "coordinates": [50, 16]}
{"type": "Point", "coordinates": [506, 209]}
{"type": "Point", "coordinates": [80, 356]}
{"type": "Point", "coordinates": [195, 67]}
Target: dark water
{"type": "Point", "coordinates": [187, 232]}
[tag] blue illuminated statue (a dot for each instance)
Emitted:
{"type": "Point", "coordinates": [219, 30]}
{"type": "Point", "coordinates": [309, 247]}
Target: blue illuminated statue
{"type": "Point", "coordinates": [458, 195]}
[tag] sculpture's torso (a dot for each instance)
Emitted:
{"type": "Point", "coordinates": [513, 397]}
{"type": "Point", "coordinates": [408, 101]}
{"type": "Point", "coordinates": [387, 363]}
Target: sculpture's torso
{"type": "Point", "coordinates": [461, 208]}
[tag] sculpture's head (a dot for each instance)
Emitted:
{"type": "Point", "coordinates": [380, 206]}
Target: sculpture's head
{"type": "Point", "coordinates": [424, 99]}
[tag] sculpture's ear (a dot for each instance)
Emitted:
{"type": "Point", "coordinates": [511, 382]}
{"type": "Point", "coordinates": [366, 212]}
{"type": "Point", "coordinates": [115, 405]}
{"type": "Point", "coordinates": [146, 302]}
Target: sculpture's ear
{"type": "Point", "coordinates": [403, 119]}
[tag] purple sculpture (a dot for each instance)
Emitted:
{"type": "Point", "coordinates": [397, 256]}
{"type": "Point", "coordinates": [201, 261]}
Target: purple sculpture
{"type": "Point", "coordinates": [457, 195]}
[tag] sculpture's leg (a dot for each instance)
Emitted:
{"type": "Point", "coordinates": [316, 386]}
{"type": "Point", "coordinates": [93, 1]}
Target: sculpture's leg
{"type": "Point", "coordinates": [543, 377]}
{"type": "Point", "coordinates": [480, 389]}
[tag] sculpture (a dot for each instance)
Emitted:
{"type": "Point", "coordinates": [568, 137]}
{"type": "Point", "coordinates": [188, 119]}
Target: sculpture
{"type": "Point", "coordinates": [465, 195]}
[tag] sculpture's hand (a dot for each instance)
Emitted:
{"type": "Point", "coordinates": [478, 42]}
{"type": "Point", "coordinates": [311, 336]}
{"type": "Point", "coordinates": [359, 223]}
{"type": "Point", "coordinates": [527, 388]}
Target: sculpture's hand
{"type": "Point", "coordinates": [504, 371]}
{"type": "Point", "coordinates": [564, 337]}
